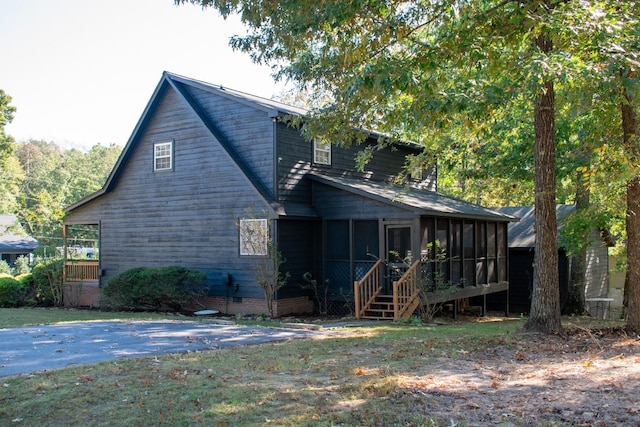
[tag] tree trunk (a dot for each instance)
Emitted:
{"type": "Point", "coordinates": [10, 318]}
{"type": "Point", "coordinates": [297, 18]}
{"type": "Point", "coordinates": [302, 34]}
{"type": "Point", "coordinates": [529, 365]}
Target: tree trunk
{"type": "Point", "coordinates": [545, 301]}
{"type": "Point", "coordinates": [632, 281]}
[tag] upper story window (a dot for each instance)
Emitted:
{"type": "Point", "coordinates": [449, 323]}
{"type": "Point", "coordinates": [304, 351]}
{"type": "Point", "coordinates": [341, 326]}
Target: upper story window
{"type": "Point", "coordinates": [163, 156]}
{"type": "Point", "coordinates": [416, 173]}
{"type": "Point", "coordinates": [321, 152]}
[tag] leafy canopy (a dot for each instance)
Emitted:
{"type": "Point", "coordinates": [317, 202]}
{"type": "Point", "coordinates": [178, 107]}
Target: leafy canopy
{"type": "Point", "coordinates": [6, 116]}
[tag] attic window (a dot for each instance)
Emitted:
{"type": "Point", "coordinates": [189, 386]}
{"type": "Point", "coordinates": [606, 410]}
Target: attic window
{"type": "Point", "coordinates": [321, 152]}
{"type": "Point", "coordinates": [417, 173]}
{"type": "Point", "coordinates": [163, 156]}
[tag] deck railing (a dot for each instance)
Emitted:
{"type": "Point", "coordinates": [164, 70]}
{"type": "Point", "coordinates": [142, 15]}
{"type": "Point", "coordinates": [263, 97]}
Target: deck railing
{"type": "Point", "coordinates": [81, 271]}
{"type": "Point", "coordinates": [406, 292]}
{"type": "Point", "coordinates": [367, 289]}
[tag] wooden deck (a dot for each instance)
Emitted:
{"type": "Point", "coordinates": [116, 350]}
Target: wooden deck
{"type": "Point", "coordinates": [371, 303]}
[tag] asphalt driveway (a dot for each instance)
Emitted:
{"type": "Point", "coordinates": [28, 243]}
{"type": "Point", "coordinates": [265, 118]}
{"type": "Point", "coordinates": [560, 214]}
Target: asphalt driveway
{"type": "Point", "coordinates": [38, 348]}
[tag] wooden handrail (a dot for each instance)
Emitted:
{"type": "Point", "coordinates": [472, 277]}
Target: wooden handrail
{"type": "Point", "coordinates": [405, 291]}
{"type": "Point", "coordinates": [366, 289]}
{"type": "Point", "coordinates": [80, 271]}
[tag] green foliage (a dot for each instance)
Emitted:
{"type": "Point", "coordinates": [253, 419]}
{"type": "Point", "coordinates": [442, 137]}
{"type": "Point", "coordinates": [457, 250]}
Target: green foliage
{"type": "Point", "coordinates": [47, 278]}
{"type": "Point", "coordinates": [22, 265]}
{"type": "Point", "coordinates": [5, 268]}
{"type": "Point", "coordinates": [17, 291]}
{"type": "Point", "coordinates": [11, 185]}
{"type": "Point", "coordinates": [435, 289]}
{"type": "Point", "coordinates": [11, 291]}
{"type": "Point", "coordinates": [320, 291]}
{"type": "Point", "coordinates": [41, 179]}
{"type": "Point", "coordinates": [268, 275]}
{"type": "Point", "coordinates": [154, 289]}
{"type": "Point", "coordinates": [29, 296]}
{"type": "Point", "coordinates": [6, 116]}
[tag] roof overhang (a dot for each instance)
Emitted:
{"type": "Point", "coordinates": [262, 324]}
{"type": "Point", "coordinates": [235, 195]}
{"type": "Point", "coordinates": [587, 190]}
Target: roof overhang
{"type": "Point", "coordinates": [421, 202]}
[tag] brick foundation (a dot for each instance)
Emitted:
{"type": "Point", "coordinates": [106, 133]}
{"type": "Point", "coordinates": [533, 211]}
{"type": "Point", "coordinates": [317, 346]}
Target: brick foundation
{"type": "Point", "coordinates": [88, 295]}
{"type": "Point", "coordinates": [281, 307]}
{"type": "Point", "coordinates": [78, 294]}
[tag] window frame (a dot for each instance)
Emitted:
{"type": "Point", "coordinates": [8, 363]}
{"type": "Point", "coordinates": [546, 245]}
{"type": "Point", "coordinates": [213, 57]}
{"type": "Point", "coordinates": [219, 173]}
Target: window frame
{"type": "Point", "coordinates": [321, 152]}
{"type": "Point", "coordinates": [249, 228]}
{"type": "Point", "coordinates": [169, 156]}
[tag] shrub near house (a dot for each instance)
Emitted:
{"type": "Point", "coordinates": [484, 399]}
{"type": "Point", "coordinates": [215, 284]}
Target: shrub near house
{"type": "Point", "coordinates": [149, 289]}
{"type": "Point", "coordinates": [10, 290]}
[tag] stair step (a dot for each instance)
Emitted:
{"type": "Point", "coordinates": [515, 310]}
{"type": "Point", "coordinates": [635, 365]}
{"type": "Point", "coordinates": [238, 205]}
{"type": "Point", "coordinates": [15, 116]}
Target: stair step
{"type": "Point", "coordinates": [382, 308]}
{"type": "Point", "coordinates": [376, 317]}
{"type": "Point", "coordinates": [382, 304]}
{"type": "Point", "coordinates": [379, 310]}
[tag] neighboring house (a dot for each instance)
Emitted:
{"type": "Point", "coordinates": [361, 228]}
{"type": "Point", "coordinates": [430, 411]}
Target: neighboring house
{"type": "Point", "coordinates": [14, 242]}
{"type": "Point", "coordinates": [208, 170]}
{"type": "Point", "coordinates": [522, 243]}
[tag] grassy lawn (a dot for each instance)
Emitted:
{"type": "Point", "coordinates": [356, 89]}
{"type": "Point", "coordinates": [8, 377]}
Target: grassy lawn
{"type": "Point", "coordinates": [349, 378]}
{"type": "Point", "coordinates": [15, 317]}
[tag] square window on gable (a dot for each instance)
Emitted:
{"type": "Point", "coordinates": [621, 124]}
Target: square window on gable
{"type": "Point", "coordinates": [321, 152]}
{"type": "Point", "coordinates": [163, 156]}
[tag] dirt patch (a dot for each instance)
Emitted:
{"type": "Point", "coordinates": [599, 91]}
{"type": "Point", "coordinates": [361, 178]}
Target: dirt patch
{"type": "Point", "coordinates": [582, 377]}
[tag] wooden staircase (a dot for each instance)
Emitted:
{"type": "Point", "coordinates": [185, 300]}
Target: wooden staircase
{"type": "Point", "coordinates": [372, 304]}
{"type": "Point", "coordinates": [380, 308]}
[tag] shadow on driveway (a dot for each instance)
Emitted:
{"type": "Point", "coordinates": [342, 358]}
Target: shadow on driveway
{"type": "Point", "coordinates": [38, 348]}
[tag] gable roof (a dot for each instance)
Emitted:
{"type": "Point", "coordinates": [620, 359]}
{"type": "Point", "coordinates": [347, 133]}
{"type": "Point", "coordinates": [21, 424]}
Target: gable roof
{"type": "Point", "coordinates": [12, 241]}
{"type": "Point", "coordinates": [522, 234]}
{"type": "Point", "coordinates": [422, 202]}
{"type": "Point", "coordinates": [180, 84]}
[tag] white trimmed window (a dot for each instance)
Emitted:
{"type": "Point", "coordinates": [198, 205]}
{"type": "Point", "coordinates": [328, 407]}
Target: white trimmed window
{"type": "Point", "coordinates": [417, 173]}
{"type": "Point", "coordinates": [254, 235]}
{"type": "Point", "coordinates": [163, 156]}
{"type": "Point", "coordinates": [321, 152]}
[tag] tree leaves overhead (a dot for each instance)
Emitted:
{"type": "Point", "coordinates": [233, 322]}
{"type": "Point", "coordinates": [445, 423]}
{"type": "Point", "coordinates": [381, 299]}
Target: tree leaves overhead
{"type": "Point", "coordinates": [457, 77]}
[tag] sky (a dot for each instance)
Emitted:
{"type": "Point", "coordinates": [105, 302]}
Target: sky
{"type": "Point", "coordinates": [80, 72]}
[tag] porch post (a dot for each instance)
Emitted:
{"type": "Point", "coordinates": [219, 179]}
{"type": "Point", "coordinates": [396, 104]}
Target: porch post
{"type": "Point", "coordinates": [356, 298]}
{"type": "Point", "coordinates": [65, 228]}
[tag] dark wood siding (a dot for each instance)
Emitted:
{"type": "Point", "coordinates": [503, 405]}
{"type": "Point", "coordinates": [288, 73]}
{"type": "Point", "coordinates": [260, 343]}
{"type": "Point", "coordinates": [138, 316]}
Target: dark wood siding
{"type": "Point", "coordinates": [300, 244]}
{"type": "Point", "coordinates": [333, 203]}
{"type": "Point", "coordinates": [184, 217]}
{"type": "Point", "coordinates": [249, 131]}
{"type": "Point", "coordinates": [295, 155]}
{"type": "Point", "coordinates": [293, 162]}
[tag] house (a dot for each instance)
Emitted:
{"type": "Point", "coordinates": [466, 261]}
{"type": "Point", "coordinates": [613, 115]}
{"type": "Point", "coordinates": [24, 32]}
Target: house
{"type": "Point", "coordinates": [207, 169]}
{"type": "Point", "coordinates": [521, 254]}
{"type": "Point", "coordinates": [14, 242]}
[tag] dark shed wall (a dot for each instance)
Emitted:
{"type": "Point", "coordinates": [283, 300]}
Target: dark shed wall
{"type": "Point", "coordinates": [179, 217]}
{"type": "Point", "coordinates": [521, 276]}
